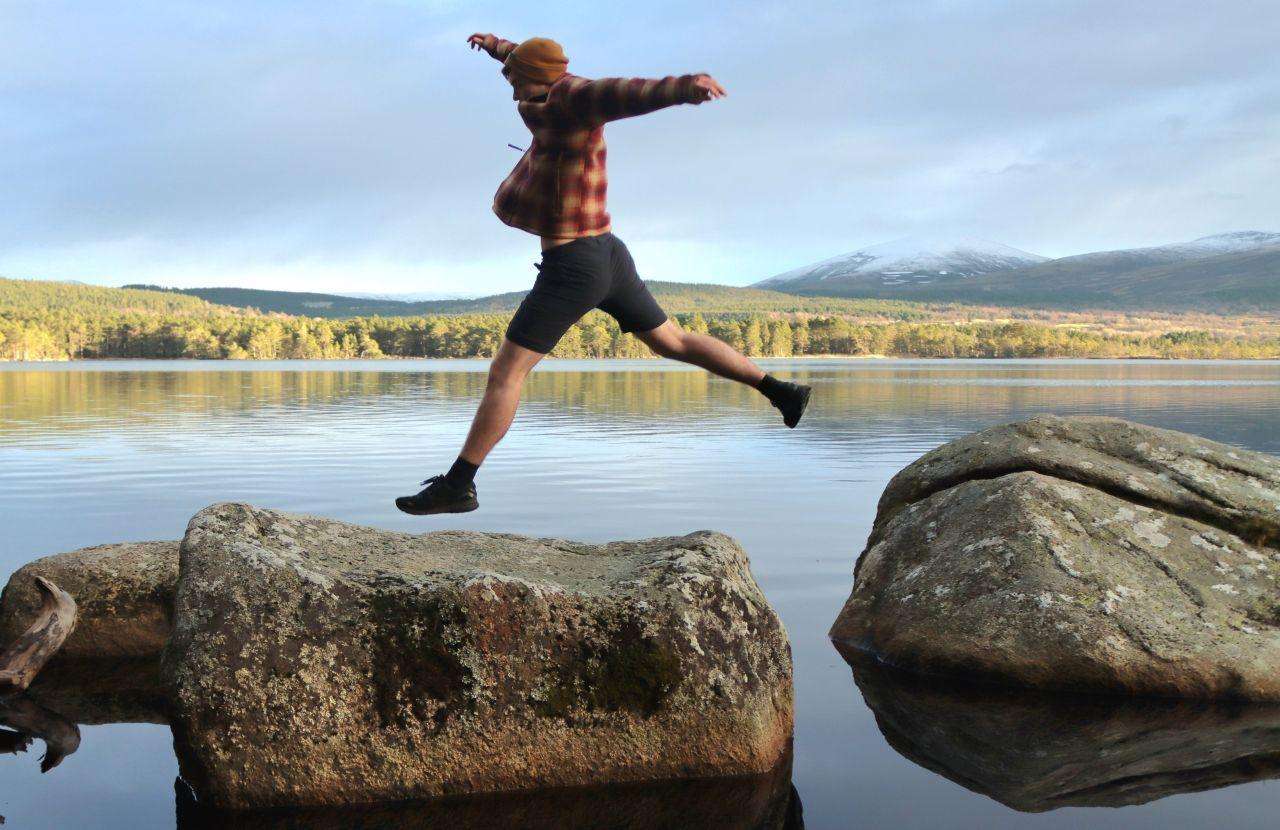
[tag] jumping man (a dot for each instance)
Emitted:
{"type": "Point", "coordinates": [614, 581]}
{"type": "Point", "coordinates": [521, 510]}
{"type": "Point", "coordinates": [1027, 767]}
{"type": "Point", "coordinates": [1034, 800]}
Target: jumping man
{"type": "Point", "coordinates": [557, 191]}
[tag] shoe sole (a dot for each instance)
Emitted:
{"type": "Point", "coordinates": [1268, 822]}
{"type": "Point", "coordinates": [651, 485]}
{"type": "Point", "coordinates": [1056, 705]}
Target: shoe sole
{"type": "Point", "coordinates": [464, 509]}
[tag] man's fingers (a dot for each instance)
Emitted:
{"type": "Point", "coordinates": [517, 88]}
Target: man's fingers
{"type": "Point", "coordinates": [710, 88]}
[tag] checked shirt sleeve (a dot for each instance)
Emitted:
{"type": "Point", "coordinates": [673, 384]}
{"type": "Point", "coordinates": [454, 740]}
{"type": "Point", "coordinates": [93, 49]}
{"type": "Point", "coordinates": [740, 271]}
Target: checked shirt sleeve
{"type": "Point", "coordinates": [609, 99]}
{"type": "Point", "coordinates": [498, 48]}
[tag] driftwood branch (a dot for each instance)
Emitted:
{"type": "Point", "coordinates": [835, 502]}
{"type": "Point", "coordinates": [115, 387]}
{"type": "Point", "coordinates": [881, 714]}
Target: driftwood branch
{"type": "Point", "coordinates": [61, 737]}
{"type": "Point", "coordinates": [12, 742]}
{"type": "Point", "coordinates": [23, 660]}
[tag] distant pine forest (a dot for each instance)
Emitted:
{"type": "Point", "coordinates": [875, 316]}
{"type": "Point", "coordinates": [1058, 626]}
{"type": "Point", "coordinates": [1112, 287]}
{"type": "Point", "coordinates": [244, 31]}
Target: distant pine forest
{"type": "Point", "coordinates": [58, 321]}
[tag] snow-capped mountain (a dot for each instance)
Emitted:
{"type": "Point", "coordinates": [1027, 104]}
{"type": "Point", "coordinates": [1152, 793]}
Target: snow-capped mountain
{"type": "Point", "coordinates": [1205, 246]}
{"type": "Point", "coordinates": [911, 260]}
{"type": "Point", "coordinates": [1223, 272]}
{"type": "Point", "coordinates": [1225, 243]}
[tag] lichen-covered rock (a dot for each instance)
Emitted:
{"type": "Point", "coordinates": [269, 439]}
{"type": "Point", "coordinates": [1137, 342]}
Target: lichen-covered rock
{"type": "Point", "coordinates": [123, 594]}
{"type": "Point", "coordinates": [1080, 553]}
{"type": "Point", "coordinates": [1036, 751]}
{"type": "Point", "coordinates": [1174, 472]}
{"type": "Point", "coordinates": [315, 662]}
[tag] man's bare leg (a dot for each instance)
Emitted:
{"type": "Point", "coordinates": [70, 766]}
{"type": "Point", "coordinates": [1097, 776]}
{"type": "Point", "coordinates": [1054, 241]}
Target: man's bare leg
{"type": "Point", "coordinates": [507, 372]}
{"type": "Point", "coordinates": [454, 491]}
{"type": "Point", "coordinates": [703, 350]}
{"type": "Point", "coordinates": [718, 357]}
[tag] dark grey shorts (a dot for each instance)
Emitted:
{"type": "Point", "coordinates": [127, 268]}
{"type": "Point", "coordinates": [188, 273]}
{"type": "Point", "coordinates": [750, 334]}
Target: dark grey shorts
{"type": "Point", "coordinates": [573, 278]}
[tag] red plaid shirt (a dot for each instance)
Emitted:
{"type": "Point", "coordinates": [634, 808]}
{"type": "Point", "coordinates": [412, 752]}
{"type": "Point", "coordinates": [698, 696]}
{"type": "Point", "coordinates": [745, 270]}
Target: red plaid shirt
{"type": "Point", "coordinates": [558, 187]}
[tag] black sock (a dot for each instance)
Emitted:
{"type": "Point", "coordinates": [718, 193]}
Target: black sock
{"type": "Point", "coordinates": [773, 389]}
{"type": "Point", "coordinates": [462, 473]}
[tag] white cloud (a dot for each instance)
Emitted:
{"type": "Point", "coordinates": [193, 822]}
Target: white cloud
{"type": "Point", "coordinates": [295, 144]}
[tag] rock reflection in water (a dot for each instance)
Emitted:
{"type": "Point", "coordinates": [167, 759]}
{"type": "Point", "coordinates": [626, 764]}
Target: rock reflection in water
{"type": "Point", "coordinates": [68, 692]}
{"type": "Point", "coordinates": [24, 720]}
{"type": "Point", "coordinates": [91, 692]}
{"type": "Point", "coordinates": [766, 802]}
{"type": "Point", "coordinates": [762, 802]}
{"type": "Point", "coordinates": [1036, 751]}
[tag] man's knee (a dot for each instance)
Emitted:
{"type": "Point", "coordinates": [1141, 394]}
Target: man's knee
{"type": "Point", "coordinates": [512, 364]}
{"type": "Point", "coordinates": [506, 375]}
{"type": "Point", "coordinates": [672, 343]}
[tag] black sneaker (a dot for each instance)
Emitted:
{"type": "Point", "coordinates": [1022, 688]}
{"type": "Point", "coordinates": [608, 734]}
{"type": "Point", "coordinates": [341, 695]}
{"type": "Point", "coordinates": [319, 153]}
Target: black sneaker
{"type": "Point", "coordinates": [793, 405]}
{"type": "Point", "coordinates": [439, 496]}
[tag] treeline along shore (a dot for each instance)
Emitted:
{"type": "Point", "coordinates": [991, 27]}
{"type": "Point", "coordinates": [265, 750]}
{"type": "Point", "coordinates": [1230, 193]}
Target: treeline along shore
{"type": "Point", "coordinates": [69, 322]}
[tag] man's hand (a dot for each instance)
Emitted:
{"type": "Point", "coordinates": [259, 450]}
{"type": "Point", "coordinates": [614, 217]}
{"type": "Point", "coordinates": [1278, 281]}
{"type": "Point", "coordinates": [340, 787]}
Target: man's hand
{"type": "Point", "coordinates": [482, 41]}
{"type": "Point", "coordinates": [707, 88]}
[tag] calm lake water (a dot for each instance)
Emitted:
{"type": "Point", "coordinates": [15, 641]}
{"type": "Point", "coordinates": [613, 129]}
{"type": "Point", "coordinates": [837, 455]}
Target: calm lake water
{"type": "Point", "coordinates": [605, 450]}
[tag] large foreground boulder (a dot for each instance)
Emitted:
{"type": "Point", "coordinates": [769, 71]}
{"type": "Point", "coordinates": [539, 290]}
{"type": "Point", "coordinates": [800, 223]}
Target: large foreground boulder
{"type": "Point", "coordinates": [315, 662]}
{"type": "Point", "coordinates": [1082, 553]}
{"type": "Point", "coordinates": [123, 593]}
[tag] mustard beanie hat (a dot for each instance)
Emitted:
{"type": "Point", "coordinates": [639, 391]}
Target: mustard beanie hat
{"type": "Point", "coordinates": [538, 59]}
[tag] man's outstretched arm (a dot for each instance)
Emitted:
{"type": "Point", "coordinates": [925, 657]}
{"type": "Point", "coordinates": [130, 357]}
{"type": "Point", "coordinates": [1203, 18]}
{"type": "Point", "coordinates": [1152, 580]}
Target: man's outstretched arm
{"type": "Point", "coordinates": [609, 99]}
{"type": "Point", "coordinates": [497, 47]}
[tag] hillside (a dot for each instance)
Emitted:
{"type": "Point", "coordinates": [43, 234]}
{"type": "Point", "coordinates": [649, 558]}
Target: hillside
{"type": "Point", "coordinates": [46, 296]}
{"type": "Point", "coordinates": [60, 321]}
{"type": "Point", "coordinates": [300, 303]}
{"type": "Point", "coordinates": [675, 297]}
{"type": "Point", "coordinates": [1234, 282]}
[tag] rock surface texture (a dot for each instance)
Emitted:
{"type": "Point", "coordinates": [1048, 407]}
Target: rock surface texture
{"type": "Point", "coordinates": [314, 662]}
{"type": "Point", "coordinates": [1079, 553]}
{"type": "Point", "coordinates": [123, 594]}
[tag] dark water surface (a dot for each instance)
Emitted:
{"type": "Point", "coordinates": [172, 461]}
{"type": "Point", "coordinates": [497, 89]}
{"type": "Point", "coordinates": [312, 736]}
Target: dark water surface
{"type": "Point", "coordinates": [605, 450]}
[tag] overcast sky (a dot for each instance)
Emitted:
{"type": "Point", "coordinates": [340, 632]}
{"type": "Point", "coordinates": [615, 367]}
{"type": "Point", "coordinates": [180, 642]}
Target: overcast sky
{"type": "Point", "coordinates": [356, 146]}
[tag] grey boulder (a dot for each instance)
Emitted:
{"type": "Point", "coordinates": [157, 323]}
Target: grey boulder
{"type": "Point", "coordinates": [123, 593]}
{"type": "Point", "coordinates": [1078, 553]}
